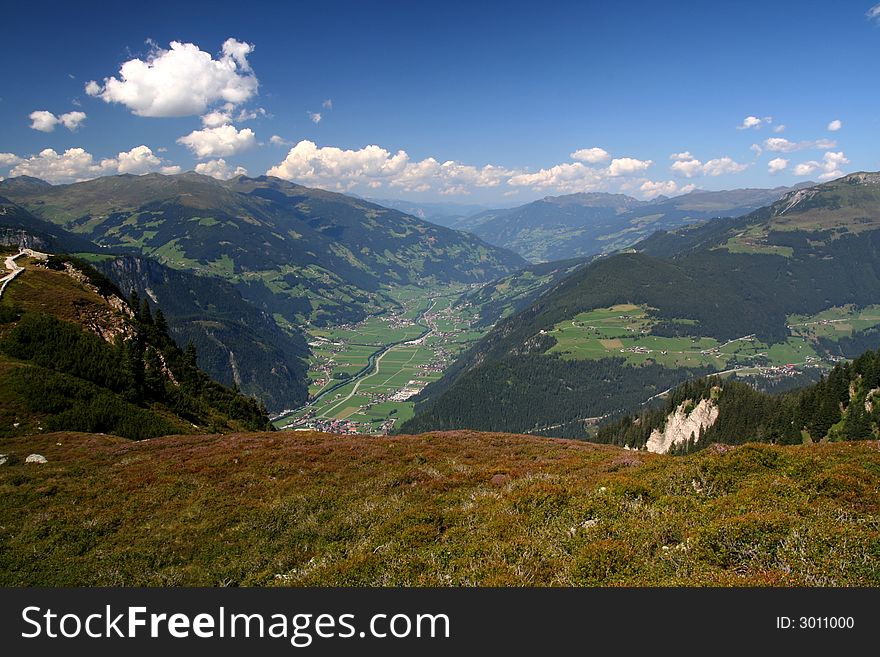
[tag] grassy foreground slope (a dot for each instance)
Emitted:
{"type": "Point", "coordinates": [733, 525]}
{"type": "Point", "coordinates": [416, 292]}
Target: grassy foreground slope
{"type": "Point", "coordinates": [458, 508]}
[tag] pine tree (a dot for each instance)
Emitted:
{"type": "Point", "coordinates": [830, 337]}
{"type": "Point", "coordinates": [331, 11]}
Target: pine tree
{"type": "Point", "coordinates": [161, 323]}
{"type": "Point", "coordinates": [145, 316]}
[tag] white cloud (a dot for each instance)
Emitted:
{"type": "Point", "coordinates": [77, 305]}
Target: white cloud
{"type": "Point", "coordinates": [221, 141]}
{"type": "Point", "coordinates": [806, 168]}
{"type": "Point", "coordinates": [170, 170]}
{"type": "Point", "coordinates": [776, 165]}
{"type": "Point", "coordinates": [374, 167]}
{"type": "Point", "coordinates": [448, 177]}
{"type": "Point", "coordinates": [314, 117]}
{"type": "Point", "coordinates": [591, 155]}
{"type": "Point", "coordinates": [45, 121]}
{"type": "Point", "coordinates": [219, 169]}
{"type": "Point", "coordinates": [307, 163]}
{"type": "Point", "coordinates": [77, 164]}
{"type": "Point", "coordinates": [723, 165]}
{"type": "Point", "coordinates": [651, 188]}
{"type": "Point", "coordinates": [779, 128]}
{"type": "Point", "coordinates": [217, 118]}
{"type": "Point", "coordinates": [138, 160]}
{"type": "Point", "coordinates": [830, 166]}
{"type": "Point", "coordinates": [753, 122]}
{"type": "Point", "coordinates": [249, 115]}
{"type": "Point", "coordinates": [327, 104]}
{"type": "Point", "coordinates": [688, 166]}
{"type": "Point", "coordinates": [835, 125]}
{"type": "Point", "coordinates": [626, 166]}
{"type": "Point", "coordinates": [874, 12]}
{"type": "Point", "coordinates": [566, 177]}
{"type": "Point", "coordinates": [8, 159]}
{"type": "Point", "coordinates": [71, 120]}
{"type": "Point", "coordinates": [277, 140]}
{"type": "Point", "coordinates": [782, 145]}
{"type": "Point", "coordinates": [181, 81]}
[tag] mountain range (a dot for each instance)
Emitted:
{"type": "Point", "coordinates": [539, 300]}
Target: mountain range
{"type": "Point", "coordinates": [629, 326]}
{"type": "Point", "coordinates": [301, 254]}
{"type": "Point", "coordinates": [588, 224]}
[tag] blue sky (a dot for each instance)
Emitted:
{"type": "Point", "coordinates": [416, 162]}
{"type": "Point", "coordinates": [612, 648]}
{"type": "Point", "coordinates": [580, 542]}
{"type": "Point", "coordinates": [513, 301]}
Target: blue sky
{"type": "Point", "coordinates": [499, 103]}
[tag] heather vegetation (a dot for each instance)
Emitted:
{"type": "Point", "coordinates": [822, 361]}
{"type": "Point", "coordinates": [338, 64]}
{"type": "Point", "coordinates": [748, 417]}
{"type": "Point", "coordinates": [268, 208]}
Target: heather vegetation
{"type": "Point", "coordinates": [443, 509]}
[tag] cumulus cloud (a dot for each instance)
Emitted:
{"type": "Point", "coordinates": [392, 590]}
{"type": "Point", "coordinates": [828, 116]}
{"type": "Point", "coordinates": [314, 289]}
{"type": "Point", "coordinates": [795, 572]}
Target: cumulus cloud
{"type": "Point", "coordinates": [831, 166]}
{"type": "Point", "coordinates": [277, 140]}
{"type": "Point", "coordinates": [686, 165]}
{"type": "Point", "coordinates": [8, 159]}
{"type": "Point", "coordinates": [77, 164]}
{"type": "Point", "coordinates": [181, 81]}
{"type": "Point", "coordinates": [591, 155]}
{"type": "Point", "coordinates": [314, 117]}
{"type": "Point", "coordinates": [565, 177]}
{"type": "Point", "coordinates": [627, 166]}
{"type": "Point", "coordinates": [782, 145]}
{"type": "Point", "coordinates": [374, 167]}
{"type": "Point", "coordinates": [138, 160]}
{"type": "Point", "coordinates": [219, 169]}
{"type": "Point", "coordinates": [327, 104]}
{"type": "Point", "coordinates": [217, 118]}
{"type": "Point", "coordinates": [448, 177]}
{"type": "Point", "coordinates": [779, 128]}
{"type": "Point", "coordinates": [754, 122]}
{"type": "Point", "coordinates": [722, 165]}
{"type": "Point", "coordinates": [835, 125]}
{"type": "Point", "coordinates": [307, 163]}
{"type": "Point", "coordinates": [806, 168]}
{"type": "Point", "coordinates": [776, 165]}
{"type": "Point", "coordinates": [45, 121]}
{"type": "Point", "coordinates": [220, 141]}
{"type": "Point", "coordinates": [651, 189]}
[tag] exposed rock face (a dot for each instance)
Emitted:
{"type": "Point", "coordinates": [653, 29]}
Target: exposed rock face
{"type": "Point", "coordinates": [106, 325]}
{"type": "Point", "coordinates": [681, 424]}
{"type": "Point", "coordinates": [36, 458]}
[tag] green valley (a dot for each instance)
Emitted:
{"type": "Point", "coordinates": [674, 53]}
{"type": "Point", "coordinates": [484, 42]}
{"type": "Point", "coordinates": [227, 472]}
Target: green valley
{"type": "Point", "coordinates": [363, 376]}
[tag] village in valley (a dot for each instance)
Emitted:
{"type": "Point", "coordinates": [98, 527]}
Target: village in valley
{"type": "Point", "coordinates": [364, 376]}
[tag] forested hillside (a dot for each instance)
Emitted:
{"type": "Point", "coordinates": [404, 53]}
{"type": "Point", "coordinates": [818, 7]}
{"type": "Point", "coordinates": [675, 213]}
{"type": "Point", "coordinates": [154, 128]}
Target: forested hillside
{"type": "Point", "coordinates": [237, 344]}
{"type": "Point", "coordinates": [771, 279]}
{"type": "Point", "coordinates": [842, 406]}
{"type": "Point", "coordinates": [76, 356]}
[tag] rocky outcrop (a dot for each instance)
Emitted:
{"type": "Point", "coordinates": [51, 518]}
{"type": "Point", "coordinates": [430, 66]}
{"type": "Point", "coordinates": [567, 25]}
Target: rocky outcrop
{"type": "Point", "coordinates": [687, 420]}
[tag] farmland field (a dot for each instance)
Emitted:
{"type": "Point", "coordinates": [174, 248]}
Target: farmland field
{"type": "Point", "coordinates": [625, 331]}
{"type": "Point", "coordinates": [363, 375]}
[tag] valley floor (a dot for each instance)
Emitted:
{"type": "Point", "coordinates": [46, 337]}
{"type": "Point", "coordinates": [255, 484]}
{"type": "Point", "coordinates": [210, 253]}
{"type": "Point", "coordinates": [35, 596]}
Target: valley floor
{"type": "Point", "coordinates": [454, 508]}
{"type": "Point", "coordinates": [363, 376]}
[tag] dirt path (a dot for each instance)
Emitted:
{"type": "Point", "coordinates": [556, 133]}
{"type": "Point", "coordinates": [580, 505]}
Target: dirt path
{"type": "Point", "coordinates": [15, 269]}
